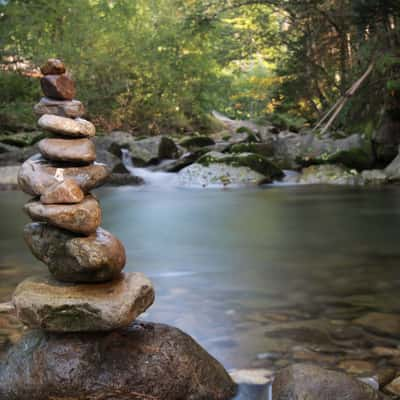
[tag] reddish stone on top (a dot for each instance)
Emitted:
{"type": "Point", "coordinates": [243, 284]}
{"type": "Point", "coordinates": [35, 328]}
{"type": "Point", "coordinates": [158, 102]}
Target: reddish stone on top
{"type": "Point", "coordinates": [59, 87]}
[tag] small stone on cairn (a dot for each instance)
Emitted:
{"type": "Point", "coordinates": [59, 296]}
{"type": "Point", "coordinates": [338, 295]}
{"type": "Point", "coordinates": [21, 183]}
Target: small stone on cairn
{"type": "Point", "coordinates": [85, 342]}
{"type": "Point", "coordinates": [66, 233]}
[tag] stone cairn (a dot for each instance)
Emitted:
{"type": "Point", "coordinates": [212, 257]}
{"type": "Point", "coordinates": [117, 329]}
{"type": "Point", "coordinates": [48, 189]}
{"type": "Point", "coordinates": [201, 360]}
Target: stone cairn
{"type": "Point", "coordinates": [85, 290]}
{"type": "Point", "coordinates": [84, 342]}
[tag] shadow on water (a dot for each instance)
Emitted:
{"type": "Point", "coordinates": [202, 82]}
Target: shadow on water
{"type": "Point", "coordinates": [261, 278]}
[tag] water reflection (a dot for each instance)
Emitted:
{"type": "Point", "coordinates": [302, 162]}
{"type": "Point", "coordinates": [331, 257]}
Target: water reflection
{"type": "Point", "coordinates": [262, 278]}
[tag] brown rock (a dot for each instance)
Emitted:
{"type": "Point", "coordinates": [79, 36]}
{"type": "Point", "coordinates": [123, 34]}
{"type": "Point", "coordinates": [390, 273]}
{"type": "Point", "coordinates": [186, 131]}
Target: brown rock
{"type": "Point", "coordinates": [381, 323]}
{"type": "Point", "coordinates": [357, 367]}
{"type": "Point", "coordinates": [81, 151]}
{"type": "Point", "coordinates": [44, 303]}
{"type": "Point", "coordinates": [62, 108]}
{"type": "Point", "coordinates": [84, 217]}
{"type": "Point", "coordinates": [393, 387]}
{"type": "Point", "coordinates": [66, 126]}
{"type": "Point", "coordinates": [71, 258]}
{"type": "Point", "coordinates": [303, 381]}
{"type": "Point", "coordinates": [146, 361]}
{"type": "Point", "coordinates": [37, 175]}
{"type": "Point", "coordinates": [64, 192]}
{"type": "Point", "coordinates": [53, 66]}
{"type": "Point", "coordinates": [59, 87]}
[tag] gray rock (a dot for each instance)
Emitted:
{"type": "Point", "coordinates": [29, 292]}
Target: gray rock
{"type": "Point", "coordinates": [71, 258]}
{"type": "Point", "coordinates": [294, 150]}
{"type": "Point", "coordinates": [117, 179]}
{"type": "Point", "coordinates": [329, 175]}
{"type": "Point", "coordinates": [17, 155]}
{"type": "Point", "coordinates": [392, 171]}
{"type": "Point", "coordinates": [9, 177]}
{"type": "Point", "coordinates": [37, 175]}
{"type": "Point", "coordinates": [308, 382]}
{"type": "Point", "coordinates": [144, 361]}
{"type": "Point", "coordinates": [152, 150]}
{"type": "Point", "coordinates": [62, 108]}
{"type": "Point", "coordinates": [114, 163]}
{"type": "Point", "coordinates": [44, 303]}
{"type": "Point", "coordinates": [374, 177]}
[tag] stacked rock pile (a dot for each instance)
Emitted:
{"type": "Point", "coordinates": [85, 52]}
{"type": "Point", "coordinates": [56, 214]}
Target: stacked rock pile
{"type": "Point", "coordinates": [85, 290]}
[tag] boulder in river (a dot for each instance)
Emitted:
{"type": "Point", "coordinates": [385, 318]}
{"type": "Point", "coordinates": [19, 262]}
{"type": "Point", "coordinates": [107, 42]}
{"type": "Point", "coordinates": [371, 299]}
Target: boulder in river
{"type": "Point", "coordinates": [83, 217]}
{"type": "Point", "coordinates": [37, 175]}
{"type": "Point", "coordinates": [144, 361]}
{"type": "Point", "coordinates": [152, 150]}
{"type": "Point", "coordinates": [309, 382]}
{"type": "Point", "coordinates": [9, 177]}
{"type": "Point", "coordinates": [45, 303]}
{"type": "Point", "coordinates": [71, 258]}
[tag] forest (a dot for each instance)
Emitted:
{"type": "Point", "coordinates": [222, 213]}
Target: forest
{"type": "Point", "coordinates": [162, 66]}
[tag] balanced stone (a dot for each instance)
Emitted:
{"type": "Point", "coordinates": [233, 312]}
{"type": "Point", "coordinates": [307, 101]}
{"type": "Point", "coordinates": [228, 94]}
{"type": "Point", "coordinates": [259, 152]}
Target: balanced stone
{"type": "Point", "coordinates": [53, 66]}
{"type": "Point", "coordinates": [144, 361]}
{"type": "Point", "coordinates": [70, 258]}
{"type": "Point", "coordinates": [62, 108]}
{"type": "Point", "coordinates": [44, 303]}
{"type": "Point", "coordinates": [68, 150]}
{"type": "Point", "coordinates": [64, 192]}
{"type": "Point", "coordinates": [66, 126]}
{"type": "Point", "coordinates": [84, 217]}
{"type": "Point", "coordinates": [59, 87]}
{"type": "Point", "coordinates": [36, 175]}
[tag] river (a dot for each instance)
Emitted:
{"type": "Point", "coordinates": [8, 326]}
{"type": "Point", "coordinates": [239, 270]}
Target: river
{"type": "Point", "coordinates": [260, 277]}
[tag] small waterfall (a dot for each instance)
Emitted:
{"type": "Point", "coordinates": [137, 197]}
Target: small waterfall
{"type": "Point", "coordinates": [151, 178]}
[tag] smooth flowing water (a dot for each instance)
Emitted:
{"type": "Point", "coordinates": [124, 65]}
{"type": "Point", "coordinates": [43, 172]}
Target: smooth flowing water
{"type": "Point", "coordinates": [262, 277]}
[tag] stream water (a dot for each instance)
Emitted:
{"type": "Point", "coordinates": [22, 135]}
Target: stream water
{"type": "Point", "coordinates": [261, 278]}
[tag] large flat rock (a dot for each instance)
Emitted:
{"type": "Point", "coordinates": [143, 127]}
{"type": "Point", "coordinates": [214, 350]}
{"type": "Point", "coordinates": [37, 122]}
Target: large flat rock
{"type": "Point", "coordinates": [81, 151]}
{"type": "Point", "coordinates": [145, 361]}
{"type": "Point", "coordinates": [44, 303]}
{"type": "Point", "coordinates": [37, 175]}
{"type": "Point", "coordinates": [84, 217]}
{"type": "Point", "coordinates": [62, 108]}
{"type": "Point", "coordinates": [96, 258]}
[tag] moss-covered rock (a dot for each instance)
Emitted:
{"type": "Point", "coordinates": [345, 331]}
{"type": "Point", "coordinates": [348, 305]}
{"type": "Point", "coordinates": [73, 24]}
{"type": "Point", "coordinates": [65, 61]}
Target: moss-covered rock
{"type": "Point", "coordinates": [195, 142]}
{"type": "Point", "coordinates": [263, 149]}
{"type": "Point", "coordinates": [23, 139]}
{"type": "Point", "coordinates": [253, 161]}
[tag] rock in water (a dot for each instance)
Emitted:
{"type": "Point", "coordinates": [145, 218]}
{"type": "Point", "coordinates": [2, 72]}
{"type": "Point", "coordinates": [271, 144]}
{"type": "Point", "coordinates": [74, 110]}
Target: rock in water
{"type": "Point", "coordinates": [37, 175]}
{"type": "Point", "coordinates": [308, 382]}
{"type": "Point", "coordinates": [79, 151]}
{"type": "Point", "coordinates": [66, 126]}
{"type": "Point", "coordinates": [97, 258]}
{"type": "Point", "coordinates": [84, 217]}
{"type": "Point", "coordinates": [53, 66]}
{"type": "Point", "coordinates": [62, 108]}
{"type": "Point", "coordinates": [44, 303]}
{"type": "Point", "coordinates": [59, 87]}
{"type": "Point", "coordinates": [64, 192]}
{"type": "Point", "coordinates": [144, 361]}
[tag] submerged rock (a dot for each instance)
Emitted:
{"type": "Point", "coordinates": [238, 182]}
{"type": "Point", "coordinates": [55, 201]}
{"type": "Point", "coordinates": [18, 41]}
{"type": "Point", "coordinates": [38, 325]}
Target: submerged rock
{"type": "Point", "coordinates": [44, 303]}
{"type": "Point", "coordinates": [329, 175]}
{"type": "Point", "coordinates": [197, 175]}
{"type": "Point", "coordinates": [308, 382]}
{"type": "Point", "coordinates": [37, 175]}
{"type": "Point", "coordinates": [71, 258]}
{"type": "Point", "coordinates": [144, 361]}
{"type": "Point", "coordinates": [83, 217]}
{"type": "Point", "coordinates": [381, 323]}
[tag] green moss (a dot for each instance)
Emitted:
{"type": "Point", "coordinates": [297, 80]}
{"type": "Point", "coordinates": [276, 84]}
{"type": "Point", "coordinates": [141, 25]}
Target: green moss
{"type": "Point", "coordinates": [23, 139]}
{"type": "Point", "coordinates": [263, 149]}
{"type": "Point", "coordinates": [196, 141]}
{"type": "Point", "coordinates": [253, 161]}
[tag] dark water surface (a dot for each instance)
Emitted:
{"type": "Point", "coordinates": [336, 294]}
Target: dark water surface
{"type": "Point", "coordinates": [261, 278]}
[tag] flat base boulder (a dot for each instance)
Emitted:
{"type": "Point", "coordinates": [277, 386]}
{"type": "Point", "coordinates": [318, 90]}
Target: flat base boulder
{"type": "Point", "coordinates": [309, 382]}
{"type": "Point", "coordinates": [42, 302]}
{"type": "Point", "coordinates": [144, 361]}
